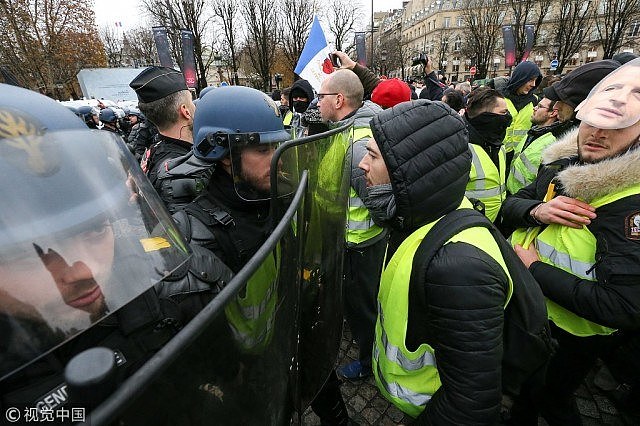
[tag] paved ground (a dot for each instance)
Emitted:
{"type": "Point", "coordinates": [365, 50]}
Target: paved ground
{"type": "Point", "coordinates": [367, 407]}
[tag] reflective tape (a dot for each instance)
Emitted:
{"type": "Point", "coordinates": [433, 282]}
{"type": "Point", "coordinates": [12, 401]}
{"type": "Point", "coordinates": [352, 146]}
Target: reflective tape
{"type": "Point", "coordinates": [485, 193]}
{"type": "Point", "coordinates": [564, 260]}
{"type": "Point", "coordinates": [400, 392]}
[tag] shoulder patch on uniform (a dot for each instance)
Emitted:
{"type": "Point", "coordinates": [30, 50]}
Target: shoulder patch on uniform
{"type": "Point", "coordinates": [632, 226]}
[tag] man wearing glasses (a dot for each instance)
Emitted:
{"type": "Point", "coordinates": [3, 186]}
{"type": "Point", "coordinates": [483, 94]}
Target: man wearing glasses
{"type": "Point", "coordinates": [553, 116]}
{"type": "Point", "coordinates": [341, 98]}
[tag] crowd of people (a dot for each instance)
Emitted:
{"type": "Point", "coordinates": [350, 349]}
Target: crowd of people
{"type": "Point", "coordinates": [491, 238]}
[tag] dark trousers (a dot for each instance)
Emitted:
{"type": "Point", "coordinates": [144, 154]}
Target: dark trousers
{"type": "Point", "coordinates": [363, 267]}
{"type": "Point", "coordinates": [567, 369]}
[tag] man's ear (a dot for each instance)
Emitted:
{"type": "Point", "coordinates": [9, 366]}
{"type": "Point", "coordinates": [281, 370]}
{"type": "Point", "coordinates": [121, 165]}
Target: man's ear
{"type": "Point", "coordinates": [184, 111]}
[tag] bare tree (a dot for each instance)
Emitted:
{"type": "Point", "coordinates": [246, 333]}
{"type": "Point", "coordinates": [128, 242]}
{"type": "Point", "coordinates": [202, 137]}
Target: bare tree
{"type": "Point", "coordinates": [113, 46]}
{"type": "Point", "coordinates": [570, 29]}
{"type": "Point", "coordinates": [527, 12]}
{"type": "Point", "coordinates": [262, 37]}
{"type": "Point", "coordinates": [343, 17]}
{"type": "Point", "coordinates": [226, 13]}
{"type": "Point", "coordinates": [193, 16]}
{"type": "Point", "coordinates": [139, 47]}
{"type": "Point", "coordinates": [615, 18]}
{"type": "Point", "coordinates": [393, 53]}
{"type": "Point", "coordinates": [44, 43]}
{"type": "Point", "coordinates": [296, 23]}
{"type": "Point", "coordinates": [483, 20]}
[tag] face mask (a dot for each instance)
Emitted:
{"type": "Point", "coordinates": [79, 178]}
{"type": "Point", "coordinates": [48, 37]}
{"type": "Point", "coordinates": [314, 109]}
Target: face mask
{"type": "Point", "coordinates": [492, 125]}
{"type": "Point", "coordinates": [381, 203]}
{"type": "Point", "coordinates": [300, 106]}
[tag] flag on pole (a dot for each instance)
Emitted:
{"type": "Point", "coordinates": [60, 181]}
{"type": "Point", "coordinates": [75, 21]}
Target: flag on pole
{"type": "Point", "coordinates": [314, 64]}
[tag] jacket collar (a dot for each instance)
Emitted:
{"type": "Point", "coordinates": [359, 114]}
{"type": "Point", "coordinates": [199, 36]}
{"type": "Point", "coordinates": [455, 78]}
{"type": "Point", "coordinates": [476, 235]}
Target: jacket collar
{"type": "Point", "coordinates": [590, 181]}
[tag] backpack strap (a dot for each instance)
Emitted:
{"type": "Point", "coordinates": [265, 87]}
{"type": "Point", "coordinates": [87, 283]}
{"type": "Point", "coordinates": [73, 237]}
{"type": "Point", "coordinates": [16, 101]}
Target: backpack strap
{"type": "Point", "coordinates": [445, 229]}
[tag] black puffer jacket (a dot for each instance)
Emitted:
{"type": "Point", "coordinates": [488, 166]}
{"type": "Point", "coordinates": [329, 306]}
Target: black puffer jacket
{"type": "Point", "coordinates": [424, 145]}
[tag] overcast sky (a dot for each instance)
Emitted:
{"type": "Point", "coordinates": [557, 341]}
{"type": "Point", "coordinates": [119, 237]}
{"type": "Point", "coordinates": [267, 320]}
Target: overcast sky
{"type": "Point", "coordinates": [108, 12]}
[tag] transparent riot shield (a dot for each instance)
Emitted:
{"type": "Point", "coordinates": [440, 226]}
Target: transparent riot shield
{"type": "Point", "coordinates": [321, 230]}
{"type": "Point", "coordinates": [233, 363]}
{"type": "Point", "coordinates": [265, 345]}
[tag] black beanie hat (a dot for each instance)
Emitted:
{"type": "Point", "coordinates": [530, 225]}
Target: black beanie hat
{"type": "Point", "coordinates": [576, 85]}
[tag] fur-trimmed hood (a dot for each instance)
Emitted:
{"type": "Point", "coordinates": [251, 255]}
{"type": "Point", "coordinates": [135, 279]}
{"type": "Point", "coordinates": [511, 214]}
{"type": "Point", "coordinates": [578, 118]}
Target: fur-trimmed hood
{"type": "Point", "coordinates": [590, 181]}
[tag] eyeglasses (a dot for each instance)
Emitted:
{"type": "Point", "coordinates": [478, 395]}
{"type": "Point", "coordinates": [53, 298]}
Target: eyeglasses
{"type": "Point", "coordinates": [322, 95]}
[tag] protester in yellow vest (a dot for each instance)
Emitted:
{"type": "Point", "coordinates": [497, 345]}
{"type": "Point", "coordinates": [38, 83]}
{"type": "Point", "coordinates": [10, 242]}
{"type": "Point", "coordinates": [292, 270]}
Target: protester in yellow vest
{"type": "Point", "coordinates": [520, 101]}
{"type": "Point", "coordinates": [341, 99]}
{"type": "Point", "coordinates": [487, 119]}
{"type": "Point", "coordinates": [584, 214]}
{"type": "Point", "coordinates": [438, 352]}
{"type": "Point", "coordinates": [524, 166]}
{"type": "Point", "coordinates": [554, 116]}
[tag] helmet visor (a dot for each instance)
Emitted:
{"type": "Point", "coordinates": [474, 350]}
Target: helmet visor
{"type": "Point", "coordinates": [82, 233]}
{"type": "Point", "coordinates": [251, 169]}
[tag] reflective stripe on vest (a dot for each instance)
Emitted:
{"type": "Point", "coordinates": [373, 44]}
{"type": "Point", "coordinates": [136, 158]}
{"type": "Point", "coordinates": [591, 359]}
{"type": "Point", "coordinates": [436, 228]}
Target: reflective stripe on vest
{"type": "Point", "coordinates": [251, 315]}
{"type": "Point", "coordinates": [486, 182]}
{"type": "Point", "coordinates": [360, 226]}
{"type": "Point", "coordinates": [572, 250]}
{"type": "Point", "coordinates": [524, 168]}
{"type": "Point", "coordinates": [520, 124]}
{"type": "Point", "coordinates": [409, 378]}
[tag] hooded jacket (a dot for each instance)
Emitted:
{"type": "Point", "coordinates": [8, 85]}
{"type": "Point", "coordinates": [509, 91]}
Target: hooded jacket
{"type": "Point", "coordinates": [614, 299]}
{"type": "Point", "coordinates": [522, 73]}
{"type": "Point", "coordinates": [301, 86]}
{"type": "Point", "coordinates": [425, 147]}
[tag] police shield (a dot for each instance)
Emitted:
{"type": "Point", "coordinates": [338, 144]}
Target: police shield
{"type": "Point", "coordinates": [320, 229]}
{"type": "Point", "coordinates": [265, 345]}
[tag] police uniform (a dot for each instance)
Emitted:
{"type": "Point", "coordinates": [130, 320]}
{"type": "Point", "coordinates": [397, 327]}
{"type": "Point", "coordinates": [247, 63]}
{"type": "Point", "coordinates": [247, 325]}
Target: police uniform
{"type": "Point", "coordinates": [150, 85]}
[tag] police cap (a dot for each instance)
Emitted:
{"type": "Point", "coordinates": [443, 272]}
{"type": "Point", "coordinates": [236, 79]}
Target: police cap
{"type": "Point", "coordinates": [156, 83]}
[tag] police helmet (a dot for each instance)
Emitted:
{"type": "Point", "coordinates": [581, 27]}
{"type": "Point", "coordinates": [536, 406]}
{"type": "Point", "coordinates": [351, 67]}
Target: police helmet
{"type": "Point", "coordinates": [70, 206]}
{"type": "Point", "coordinates": [235, 115]}
{"type": "Point", "coordinates": [108, 115]}
{"type": "Point", "coordinates": [135, 111]}
{"type": "Point", "coordinates": [205, 91]}
{"type": "Point", "coordinates": [86, 112]}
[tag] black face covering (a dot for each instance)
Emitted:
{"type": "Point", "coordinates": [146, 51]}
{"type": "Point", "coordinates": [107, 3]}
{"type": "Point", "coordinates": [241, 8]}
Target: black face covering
{"type": "Point", "coordinates": [300, 106]}
{"type": "Point", "coordinates": [491, 125]}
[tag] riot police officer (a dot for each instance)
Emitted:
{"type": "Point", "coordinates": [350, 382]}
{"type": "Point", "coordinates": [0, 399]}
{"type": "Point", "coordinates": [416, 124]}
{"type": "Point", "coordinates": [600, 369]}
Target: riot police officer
{"type": "Point", "coordinates": [87, 257]}
{"type": "Point", "coordinates": [109, 119]}
{"type": "Point", "coordinates": [237, 129]}
{"type": "Point", "coordinates": [142, 133]}
{"type": "Point", "coordinates": [166, 101]}
{"type": "Point", "coordinates": [89, 115]}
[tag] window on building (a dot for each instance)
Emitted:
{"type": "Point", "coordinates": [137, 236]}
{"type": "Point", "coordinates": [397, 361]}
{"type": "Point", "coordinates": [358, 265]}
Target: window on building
{"type": "Point", "coordinates": [457, 44]}
{"type": "Point", "coordinates": [447, 22]}
{"type": "Point", "coordinates": [460, 21]}
{"type": "Point", "coordinates": [445, 45]}
{"type": "Point", "coordinates": [634, 29]}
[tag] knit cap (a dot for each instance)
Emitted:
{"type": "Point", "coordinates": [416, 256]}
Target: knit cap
{"type": "Point", "coordinates": [391, 92]}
